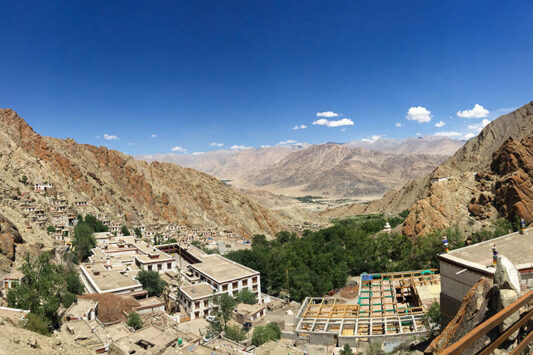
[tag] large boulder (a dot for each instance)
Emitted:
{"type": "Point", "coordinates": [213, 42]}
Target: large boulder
{"type": "Point", "coordinates": [507, 282]}
{"type": "Point", "coordinates": [506, 275]}
{"type": "Point", "coordinates": [474, 310]}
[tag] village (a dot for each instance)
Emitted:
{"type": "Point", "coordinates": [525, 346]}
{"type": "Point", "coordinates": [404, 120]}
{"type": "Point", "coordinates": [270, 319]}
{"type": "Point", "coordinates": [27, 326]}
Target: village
{"type": "Point", "coordinates": [388, 307]}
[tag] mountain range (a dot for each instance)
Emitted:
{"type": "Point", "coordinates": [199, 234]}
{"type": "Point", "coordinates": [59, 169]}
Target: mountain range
{"type": "Point", "coordinates": [356, 169]}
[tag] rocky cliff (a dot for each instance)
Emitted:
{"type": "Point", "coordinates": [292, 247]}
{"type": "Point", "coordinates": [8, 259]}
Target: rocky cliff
{"type": "Point", "coordinates": [119, 185]}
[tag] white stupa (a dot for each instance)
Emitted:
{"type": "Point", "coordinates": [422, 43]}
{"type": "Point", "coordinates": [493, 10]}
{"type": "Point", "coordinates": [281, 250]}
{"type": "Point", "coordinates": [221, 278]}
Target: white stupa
{"type": "Point", "coordinates": [387, 227]}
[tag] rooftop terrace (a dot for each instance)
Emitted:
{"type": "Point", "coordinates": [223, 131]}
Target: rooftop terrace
{"type": "Point", "coordinates": [223, 270]}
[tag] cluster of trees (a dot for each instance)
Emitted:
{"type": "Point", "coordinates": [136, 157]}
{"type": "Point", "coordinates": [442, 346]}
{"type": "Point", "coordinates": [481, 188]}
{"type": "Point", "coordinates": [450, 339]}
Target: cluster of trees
{"type": "Point", "coordinates": [43, 289]}
{"type": "Point", "coordinates": [321, 261]}
{"type": "Point", "coordinates": [84, 240]}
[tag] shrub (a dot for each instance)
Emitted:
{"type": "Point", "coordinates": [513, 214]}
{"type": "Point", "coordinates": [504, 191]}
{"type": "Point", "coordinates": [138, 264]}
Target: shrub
{"type": "Point", "coordinates": [37, 324]}
{"type": "Point", "coordinates": [267, 333]}
{"type": "Point", "coordinates": [134, 321]}
{"type": "Point", "coordinates": [235, 333]}
{"type": "Point", "coordinates": [124, 230]}
{"type": "Point", "coordinates": [51, 229]}
{"type": "Point", "coordinates": [347, 350]}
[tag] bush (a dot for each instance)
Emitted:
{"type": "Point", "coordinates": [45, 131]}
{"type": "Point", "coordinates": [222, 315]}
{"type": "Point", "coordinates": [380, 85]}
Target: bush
{"type": "Point", "coordinates": [432, 318]}
{"type": "Point", "coordinates": [135, 321]}
{"type": "Point", "coordinates": [235, 333]}
{"type": "Point", "coordinates": [151, 282]}
{"type": "Point", "coordinates": [138, 233]}
{"type": "Point", "coordinates": [267, 333]}
{"type": "Point", "coordinates": [245, 296]}
{"type": "Point", "coordinates": [51, 229]}
{"type": "Point", "coordinates": [36, 324]}
{"type": "Point", "coordinates": [96, 225]}
{"type": "Point", "coordinates": [347, 350]}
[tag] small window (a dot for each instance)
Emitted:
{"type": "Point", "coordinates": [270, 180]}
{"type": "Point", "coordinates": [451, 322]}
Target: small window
{"type": "Point", "coordinates": [169, 265]}
{"type": "Point", "coordinates": [245, 282]}
{"type": "Point", "coordinates": [235, 285]}
{"type": "Point", "coordinates": [149, 267]}
{"type": "Point", "coordinates": [224, 287]}
{"type": "Point", "coordinates": [159, 267]}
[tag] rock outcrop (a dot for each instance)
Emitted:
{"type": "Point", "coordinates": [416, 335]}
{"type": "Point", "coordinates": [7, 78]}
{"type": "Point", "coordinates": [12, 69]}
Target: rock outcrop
{"type": "Point", "coordinates": [474, 310]}
{"type": "Point", "coordinates": [507, 285]}
{"type": "Point", "coordinates": [513, 162]}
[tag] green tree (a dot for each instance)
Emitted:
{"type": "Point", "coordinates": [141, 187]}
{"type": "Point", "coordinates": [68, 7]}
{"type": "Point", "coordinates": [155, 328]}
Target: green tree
{"type": "Point", "coordinates": [347, 350]}
{"type": "Point", "coordinates": [124, 230]}
{"type": "Point", "coordinates": [432, 318]}
{"type": "Point", "coordinates": [138, 233]}
{"type": "Point", "coordinates": [96, 225]}
{"type": "Point", "coordinates": [74, 284]}
{"type": "Point", "coordinates": [234, 333]}
{"type": "Point", "coordinates": [40, 289]}
{"type": "Point", "coordinates": [151, 282]}
{"type": "Point", "coordinates": [225, 306]}
{"type": "Point", "coordinates": [245, 296]}
{"type": "Point", "coordinates": [83, 240]}
{"type": "Point", "coordinates": [51, 229]}
{"type": "Point", "coordinates": [24, 179]}
{"type": "Point", "coordinates": [135, 321]}
{"type": "Point", "coordinates": [67, 299]}
{"type": "Point", "coordinates": [264, 334]}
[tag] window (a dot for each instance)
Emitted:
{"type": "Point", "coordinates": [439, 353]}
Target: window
{"type": "Point", "coordinates": [255, 287]}
{"type": "Point", "coordinates": [197, 305]}
{"type": "Point", "coordinates": [149, 267]}
{"type": "Point", "coordinates": [169, 265]}
{"type": "Point", "coordinates": [245, 282]}
{"type": "Point", "coordinates": [206, 303]}
{"type": "Point", "coordinates": [224, 287]}
{"type": "Point", "coordinates": [254, 279]}
{"type": "Point", "coordinates": [235, 285]}
{"type": "Point", "coordinates": [159, 267]}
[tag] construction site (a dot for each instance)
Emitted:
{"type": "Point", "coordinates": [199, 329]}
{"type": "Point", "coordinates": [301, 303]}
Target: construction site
{"type": "Point", "coordinates": [387, 305]}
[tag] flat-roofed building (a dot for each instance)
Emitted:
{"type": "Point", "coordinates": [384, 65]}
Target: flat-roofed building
{"type": "Point", "coordinates": [82, 309]}
{"type": "Point", "coordinates": [150, 305]}
{"type": "Point", "coordinates": [196, 299]}
{"type": "Point", "coordinates": [461, 268]}
{"type": "Point", "coordinates": [99, 280]}
{"type": "Point", "coordinates": [227, 276]}
{"type": "Point", "coordinates": [249, 312]}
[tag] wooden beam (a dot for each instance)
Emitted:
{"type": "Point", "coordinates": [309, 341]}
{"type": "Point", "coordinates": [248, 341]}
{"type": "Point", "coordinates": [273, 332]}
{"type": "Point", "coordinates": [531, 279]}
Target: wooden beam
{"type": "Point", "coordinates": [462, 344]}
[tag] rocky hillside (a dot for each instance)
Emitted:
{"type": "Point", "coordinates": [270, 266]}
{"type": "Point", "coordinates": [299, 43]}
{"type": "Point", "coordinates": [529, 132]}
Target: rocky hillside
{"type": "Point", "coordinates": [119, 185]}
{"type": "Point", "coordinates": [489, 176]}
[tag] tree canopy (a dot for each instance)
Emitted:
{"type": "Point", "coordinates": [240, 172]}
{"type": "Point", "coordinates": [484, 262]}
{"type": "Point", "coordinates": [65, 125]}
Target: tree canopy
{"type": "Point", "coordinates": [151, 282]}
{"type": "Point", "coordinates": [124, 230]}
{"type": "Point", "coordinates": [83, 240]}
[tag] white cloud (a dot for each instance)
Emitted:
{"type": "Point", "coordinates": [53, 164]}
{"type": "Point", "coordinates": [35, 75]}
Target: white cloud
{"type": "Point", "coordinates": [178, 149]}
{"type": "Point", "coordinates": [419, 114]}
{"type": "Point", "coordinates": [344, 129]}
{"type": "Point", "coordinates": [328, 114]}
{"type": "Point", "coordinates": [478, 127]}
{"type": "Point", "coordinates": [153, 135]}
{"type": "Point", "coordinates": [110, 137]}
{"type": "Point", "coordinates": [302, 126]}
{"type": "Point", "coordinates": [477, 112]}
{"type": "Point", "coordinates": [440, 124]}
{"type": "Point", "coordinates": [198, 153]}
{"type": "Point", "coordinates": [448, 134]}
{"type": "Point", "coordinates": [131, 143]}
{"type": "Point", "coordinates": [469, 135]}
{"type": "Point", "coordinates": [288, 142]}
{"type": "Point", "coordinates": [373, 138]}
{"type": "Point", "coordinates": [239, 147]}
{"type": "Point", "coordinates": [398, 124]}
{"type": "Point", "coordinates": [216, 144]}
{"type": "Point", "coordinates": [265, 146]}
{"type": "Point", "coordinates": [419, 134]}
{"type": "Point", "coordinates": [97, 137]}
{"type": "Point", "coordinates": [337, 123]}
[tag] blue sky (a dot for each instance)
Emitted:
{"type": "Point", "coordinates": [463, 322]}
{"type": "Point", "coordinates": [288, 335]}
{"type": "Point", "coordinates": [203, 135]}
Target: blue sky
{"type": "Point", "coordinates": [163, 74]}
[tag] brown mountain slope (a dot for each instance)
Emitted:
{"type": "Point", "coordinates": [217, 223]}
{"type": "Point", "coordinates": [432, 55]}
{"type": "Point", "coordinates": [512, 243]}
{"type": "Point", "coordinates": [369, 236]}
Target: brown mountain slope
{"type": "Point", "coordinates": [442, 198]}
{"type": "Point", "coordinates": [122, 186]}
{"type": "Point", "coordinates": [342, 171]}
